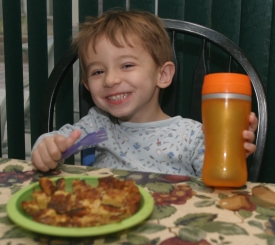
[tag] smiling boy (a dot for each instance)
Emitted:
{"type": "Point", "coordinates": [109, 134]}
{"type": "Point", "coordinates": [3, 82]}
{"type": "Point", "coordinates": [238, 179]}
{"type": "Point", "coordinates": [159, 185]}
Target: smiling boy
{"type": "Point", "coordinates": [126, 60]}
{"type": "Point", "coordinates": [125, 82]}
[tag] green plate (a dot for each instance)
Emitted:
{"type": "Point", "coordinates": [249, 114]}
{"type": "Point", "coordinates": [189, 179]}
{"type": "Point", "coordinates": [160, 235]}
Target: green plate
{"type": "Point", "coordinates": [18, 215]}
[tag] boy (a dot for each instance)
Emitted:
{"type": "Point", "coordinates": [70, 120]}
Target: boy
{"type": "Point", "coordinates": [126, 60]}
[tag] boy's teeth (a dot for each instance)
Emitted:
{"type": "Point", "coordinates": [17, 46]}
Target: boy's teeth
{"type": "Point", "coordinates": [118, 96]}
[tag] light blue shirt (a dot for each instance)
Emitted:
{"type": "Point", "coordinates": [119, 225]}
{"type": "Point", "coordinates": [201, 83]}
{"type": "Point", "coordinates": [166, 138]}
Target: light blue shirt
{"type": "Point", "coordinates": [174, 145]}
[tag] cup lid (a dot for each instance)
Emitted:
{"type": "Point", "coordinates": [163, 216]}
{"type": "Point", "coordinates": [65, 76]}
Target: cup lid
{"type": "Point", "coordinates": [227, 83]}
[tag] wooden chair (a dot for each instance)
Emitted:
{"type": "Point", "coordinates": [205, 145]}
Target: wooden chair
{"type": "Point", "coordinates": [178, 30]}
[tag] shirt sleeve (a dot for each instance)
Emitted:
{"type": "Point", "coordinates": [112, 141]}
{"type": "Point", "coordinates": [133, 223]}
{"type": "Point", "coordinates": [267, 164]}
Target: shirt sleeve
{"type": "Point", "coordinates": [197, 150]}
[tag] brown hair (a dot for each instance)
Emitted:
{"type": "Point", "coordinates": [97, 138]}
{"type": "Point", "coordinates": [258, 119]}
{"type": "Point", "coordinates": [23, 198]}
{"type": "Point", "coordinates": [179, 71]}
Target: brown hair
{"type": "Point", "coordinates": [144, 27]}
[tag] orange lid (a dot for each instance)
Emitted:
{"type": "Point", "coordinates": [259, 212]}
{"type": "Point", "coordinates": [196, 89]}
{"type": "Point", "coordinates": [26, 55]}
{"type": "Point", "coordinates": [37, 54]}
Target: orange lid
{"type": "Point", "coordinates": [227, 83]}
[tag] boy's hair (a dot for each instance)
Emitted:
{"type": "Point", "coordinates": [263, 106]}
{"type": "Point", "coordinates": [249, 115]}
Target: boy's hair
{"type": "Point", "coordinates": [139, 26]}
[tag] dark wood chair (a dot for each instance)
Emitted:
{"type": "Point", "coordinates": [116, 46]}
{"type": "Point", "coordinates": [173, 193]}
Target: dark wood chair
{"type": "Point", "coordinates": [178, 30]}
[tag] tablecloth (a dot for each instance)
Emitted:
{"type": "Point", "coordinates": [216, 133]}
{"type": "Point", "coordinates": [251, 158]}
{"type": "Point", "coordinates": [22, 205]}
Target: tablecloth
{"type": "Point", "coordinates": [185, 212]}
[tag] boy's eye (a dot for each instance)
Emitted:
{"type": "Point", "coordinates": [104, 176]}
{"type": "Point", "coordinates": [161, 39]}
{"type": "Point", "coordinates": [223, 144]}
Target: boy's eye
{"type": "Point", "coordinates": [127, 65]}
{"type": "Point", "coordinates": [97, 73]}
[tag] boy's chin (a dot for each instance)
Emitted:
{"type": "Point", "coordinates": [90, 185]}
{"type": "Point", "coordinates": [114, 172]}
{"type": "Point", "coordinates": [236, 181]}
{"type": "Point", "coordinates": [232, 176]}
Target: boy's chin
{"type": "Point", "coordinates": [120, 115]}
{"type": "Point", "coordinates": [125, 114]}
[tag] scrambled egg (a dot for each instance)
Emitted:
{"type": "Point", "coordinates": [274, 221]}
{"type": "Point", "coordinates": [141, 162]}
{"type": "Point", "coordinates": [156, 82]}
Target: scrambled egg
{"type": "Point", "coordinates": [111, 201]}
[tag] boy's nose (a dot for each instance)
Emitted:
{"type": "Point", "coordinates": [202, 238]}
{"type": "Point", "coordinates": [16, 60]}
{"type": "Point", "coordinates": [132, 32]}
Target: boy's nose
{"type": "Point", "coordinates": [111, 79]}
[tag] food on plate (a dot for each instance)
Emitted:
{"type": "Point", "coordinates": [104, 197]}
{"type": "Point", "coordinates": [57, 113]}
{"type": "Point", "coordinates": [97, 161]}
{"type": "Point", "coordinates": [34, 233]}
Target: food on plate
{"type": "Point", "coordinates": [111, 201]}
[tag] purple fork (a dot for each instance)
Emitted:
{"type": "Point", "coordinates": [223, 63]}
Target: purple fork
{"type": "Point", "coordinates": [88, 141]}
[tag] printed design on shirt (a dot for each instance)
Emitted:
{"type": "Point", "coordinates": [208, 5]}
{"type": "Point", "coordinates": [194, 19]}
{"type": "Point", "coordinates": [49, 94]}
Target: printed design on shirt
{"type": "Point", "coordinates": [137, 145]}
{"type": "Point", "coordinates": [124, 140]}
{"type": "Point", "coordinates": [178, 170]}
{"type": "Point", "coordinates": [164, 149]}
{"type": "Point", "coordinates": [170, 154]}
{"type": "Point", "coordinates": [147, 148]}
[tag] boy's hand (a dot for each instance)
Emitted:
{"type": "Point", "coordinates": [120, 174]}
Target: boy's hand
{"type": "Point", "coordinates": [249, 135]}
{"type": "Point", "coordinates": [49, 152]}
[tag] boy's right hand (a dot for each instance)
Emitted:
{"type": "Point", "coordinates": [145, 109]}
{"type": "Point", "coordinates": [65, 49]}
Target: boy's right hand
{"type": "Point", "coordinates": [49, 152]}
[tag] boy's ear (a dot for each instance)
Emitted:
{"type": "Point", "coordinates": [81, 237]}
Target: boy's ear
{"type": "Point", "coordinates": [167, 72]}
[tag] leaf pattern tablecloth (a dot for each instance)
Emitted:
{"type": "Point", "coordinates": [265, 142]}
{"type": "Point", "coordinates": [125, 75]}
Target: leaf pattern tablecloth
{"type": "Point", "coordinates": [186, 211]}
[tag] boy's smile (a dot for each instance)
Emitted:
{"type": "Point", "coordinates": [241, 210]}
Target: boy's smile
{"type": "Point", "coordinates": [125, 81]}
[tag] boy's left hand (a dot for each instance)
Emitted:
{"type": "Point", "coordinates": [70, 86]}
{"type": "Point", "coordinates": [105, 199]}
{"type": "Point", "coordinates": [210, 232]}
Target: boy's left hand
{"type": "Point", "coordinates": [249, 135]}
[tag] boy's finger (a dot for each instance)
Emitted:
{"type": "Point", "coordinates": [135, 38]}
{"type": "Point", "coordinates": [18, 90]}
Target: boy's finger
{"type": "Point", "coordinates": [249, 136]}
{"type": "Point", "coordinates": [38, 163]}
{"type": "Point", "coordinates": [253, 122]}
{"type": "Point", "coordinates": [50, 155]}
{"type": "Point", "coordinates": [73, 137]}
{"type": "Point", "coordinates": [250, 148]}
{"type": "Point", "coordinates": [60, 143]}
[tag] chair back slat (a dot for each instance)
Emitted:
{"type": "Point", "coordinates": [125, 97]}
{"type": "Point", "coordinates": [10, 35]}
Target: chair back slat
{"type": "Point", "coordinates": [198, 75]}
{"type": "Point", "coordinates": [55, 80]}
{"type": "Point", "coordinates": [230, 63]}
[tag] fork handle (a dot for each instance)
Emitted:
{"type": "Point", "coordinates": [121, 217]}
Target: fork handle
{"type": "Point", "coordinates": [70, 150]}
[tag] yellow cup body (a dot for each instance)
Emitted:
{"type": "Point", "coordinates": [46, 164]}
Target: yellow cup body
{"type": "Point", "coordinates": [224, 121]}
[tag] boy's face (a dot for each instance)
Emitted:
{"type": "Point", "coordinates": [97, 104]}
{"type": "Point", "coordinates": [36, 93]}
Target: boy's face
{"type": "Point", "coordinates": [124, 81]}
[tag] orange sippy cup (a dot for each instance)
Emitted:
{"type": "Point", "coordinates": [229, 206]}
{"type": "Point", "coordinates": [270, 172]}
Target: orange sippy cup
{"type": "Point", "coordinates": [226, 105]}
